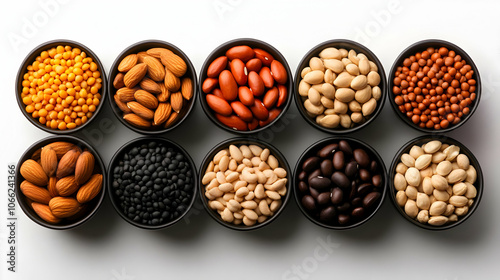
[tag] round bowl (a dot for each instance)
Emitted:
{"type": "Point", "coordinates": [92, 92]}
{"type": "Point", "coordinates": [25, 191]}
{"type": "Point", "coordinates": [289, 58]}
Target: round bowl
{"type": "Point", "coordinates": [143, 46]}
{"type": "Point", "coordinates": [422, 46]}
{"type": "Point", "coordinates": [445, 140]}
{"type": "Point", "coordinates": [221, 51]}
{"type": "Point", "coordinates": [118, 157]}
{"type": "Point", "coordinates": [33, 152]}
{"type": "Point", "coordinates": [30, 58]}
{"type": "Point", "coordinates": [238, 141]}
{"type": "Point", "coordinates": [348, 45]}
{"type": "Point", "coordinates": [312, 151]}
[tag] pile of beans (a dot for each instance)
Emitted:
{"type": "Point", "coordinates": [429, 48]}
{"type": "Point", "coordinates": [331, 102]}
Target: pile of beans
{"type": "Point", "coordinates": [61, 88]}
{"type": "Point", "coordinates": [245, 184]}
{"type": "Point", "coordinates": [246, 88]}
{"type": "Point", "coordinates": [339, 185]}
{"type": "Point", "coordinates": [434, 88]}
{"type": "Point", "coordinates": [153, 183]}
{"type": "Point", "coordinates": [434, 183]}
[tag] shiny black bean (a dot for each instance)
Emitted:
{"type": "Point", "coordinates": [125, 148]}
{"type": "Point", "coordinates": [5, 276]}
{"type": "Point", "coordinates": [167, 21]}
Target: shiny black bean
{"type": "Point", "coordinates": [313, 174]}
{"type": "Point", "coordinates": [344, 207]}
{"type": "Point", "coordinates": [302, 176]}
{"type": "Point", "coordinates": [309, 203]}
{"type": "Point", "coordinates": [327, 151]}
{"type": "Point", "coordinates": [357, 201]}
{"type": "Point", "coordinates": [370, 199]}
{"type": "Point", "coordinates": [324, 198]}
{"type": "Point", "coordinates": [310, 164]}
{"type": "Point", "coordinates": [303, 188]}
{"type": "Point", "coordinates": [358, 212]}
{"type": "Point", "coordinates": [320, 183]}
{"type": "Point", "coordinates": [365, 175]}
{"type": "Point", "coordinates": [361, 158]}
{"type": "Point", "coordinates": [338, 160]}
{"type": "Point", "coordinates": [377, 180]}
{"type": "Point", "coordinates": [314, 193]}
{"type": "Point", "coordinates": [365, 188]}
{"type": "Point", "coordinates": [374, 166]}
{"type": "Point", "coordinates": [337, 196]}
{"type": "Point", "coordinates": [344, 219]}
{"type": "Point", "coordinates": [345, 147]}
{"type": "Point", "coordinates": [326, 168]}
{"type": "Point", "coordinates": [341, 180]}
{"type": "Point", "coordinates": [351, 169]}
{"type": "Point", "coordinates": [327, 214]}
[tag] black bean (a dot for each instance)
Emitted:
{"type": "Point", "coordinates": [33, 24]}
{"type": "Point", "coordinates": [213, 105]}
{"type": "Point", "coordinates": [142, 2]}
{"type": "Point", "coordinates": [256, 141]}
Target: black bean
{"type": "Point", "coordinates": [345, 147]}
{"type": "Point", "coordinates": [340, 179]}
{"type": "Point", "coordinates": [327, 214]}
{"type": "Point", "coordinates": [326, 167]}
{"type": "Point", "coordinates": [370, 199]}
{"type": "Point", "coordinates": [309, 203]}
{"type": "Point", "coordinates": [344, 207]}
{"type": "Point", "coordinates": [351, 169]}
{"type": "Point", "coordinates": [365, 188]}
{"type": "Point", "coordinates": [377, 180]}
{"type": "Point", "coordinates": [338, 160]}
{"type": "Point", "coordinates": [320, 183]}
{"type": "Point", "coordinates": [313, 174]}
{"type": "Point", "coordinates": [337, 196]}
{"type": "Point", "coordinates": [314, 193]}
{"type": "Point", "coordinates": [344, 219]}
{"type": "Point", "coordinates": [323, 198]}
{"type": "Point", "coordinates": [303, 188]}
{"type": "Point", "coordinates": [328, 150]}
{"type": "Point", "coordinates": [310, 164]}
{"type": "Point", "coordinates": [358, 212]}
{"type": "Point", "coordinates": [361, 158]}
{"type": "Point", "coordinates": [364, 175]}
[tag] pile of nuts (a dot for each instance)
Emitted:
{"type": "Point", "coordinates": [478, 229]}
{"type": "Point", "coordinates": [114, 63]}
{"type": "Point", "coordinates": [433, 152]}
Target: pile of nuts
{"type": "Point", "coordinates": [339, 185]}
{"type": "Point", "coordinates": [152, 88]}
{"type": "Point", "coordinates": [434, 88]}
{"type": "Point", "coordinates": [60, 180]}
{"type": "Point", "coordinates": [434, 183]}
{"type": "Point", "coordinates": [246, 88]}
{"type": "Point", "coordinates": [340, 88]}
{"type": "Point", "coordinates": [61, 88]}
{"type": "Point", "coordinates": [245, 184]}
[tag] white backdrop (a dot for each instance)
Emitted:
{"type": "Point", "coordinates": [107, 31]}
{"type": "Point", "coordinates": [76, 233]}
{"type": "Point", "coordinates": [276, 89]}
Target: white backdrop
{"type": "Point", "coordinates": [292, 247]}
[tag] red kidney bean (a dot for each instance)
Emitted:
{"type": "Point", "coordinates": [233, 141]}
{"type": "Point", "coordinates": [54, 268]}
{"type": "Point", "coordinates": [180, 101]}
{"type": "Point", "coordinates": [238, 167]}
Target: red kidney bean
{"type": "Point", "coordinates": [265, 57]}
{"type": "Point", "coordinates": [278, 72]}
{"type": "Point", "coordinates": [254, 64]}
{"type": "Point", "coordinates": [255, 83]}
{"type": "Point", "coordinates": [273, 114]}
{"type": "Point", "coordinates": [259, 110]}
{"type": "Point", "coordinates": [267, 78]}
{"type": "Point", "coordinates": [245, 53]}
{"type": "Point", "coordinates": [282, 95]}
{"type": "Point", "coordinates": [239, 72]}
{"type": "Point", "coordinates": [270, 98]}
{"type": "Point", "coordinates": [216, 67]}
{"type": "Point", "coordinates": [246, 96]}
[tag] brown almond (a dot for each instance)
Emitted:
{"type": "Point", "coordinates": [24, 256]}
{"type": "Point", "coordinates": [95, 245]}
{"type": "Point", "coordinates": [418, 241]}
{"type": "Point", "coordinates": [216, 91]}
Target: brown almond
{"type": "Point", "coordinates": [140, 110]}
{"type": "Point", "coordinates": [156, 70]}
{"type": "Point", "coordinates": [187, 88]}
{"type": "Point", "coordinates": [135, 120]}
{"type": "Point", "coordinates": [123, 106]}
{"type": "Point", "coordinates": [63, 207]}
{"type": "Point", "coordinates": [162, 113]}
{"type": "Point", "coordinates": [171, 120]}
{"type": "Point", "coordinates": [156, 52]}
{"type": "Point", "coordinates": [66, 186]}
{"type": "Point", "coordinates": [135, 75]}
{"type": "Point", "coordinates": [174, 63]}
{"type": "Point", "coordinates": [48, 160]}
{"type": "Point", "coordinates": [146, 99]}
{"type": "Point", "coordinates": [51, 187]}
{"type": "Point", "coordinates": [118, 81]}
{"type": "Point", "coordinates": [61, 148]}
{"type": "Point", "coordinates": [90, 190]}
{"type": "Point", "coordinates": [141, 56]}
{"type": "Point", "coordinates": [84, 167]}
{"type": "Point", "coordinates": [127, 63]}
{"type": "Point", "coordinates": [126, 94]}
{"type": "Point", "coordinates": [164, 95]}
{"type": "Point", "coordinates": [35, 193]}
{"type": "Point", "coordinates": [176, 101]}
{"type": "Point", "coordinates": [33, 172]}
{"type": "Point", "coordinates": [150, 86]}
{"type": "Point", "coordinates": [43, 211]}
{"type": "Point", "coordinates": [172, 83]}
{"type": "Point", "coordinates": [36, 154]}
{"type": "Point", "coordinates": [67, 163]}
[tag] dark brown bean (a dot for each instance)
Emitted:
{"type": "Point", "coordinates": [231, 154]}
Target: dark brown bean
{"type": "Point", "coordinates": [310, 164]}
{"type": "Point", "coordinates": [313, 174]}
{"type": "Point", "coordinates": [320, 183]}
{"type": "Point", "coordinates": [338, 160]}
{"type": "Point", "coordinates": [341, 180]}
{"type": "Point", "coordinates": [373, 166]}
{"type": "Point", "coordinates": [344, 207]}
{"type": "Point", "coordinates": [314, 193]}
{"type": "Point", "coordinates": [354, 187]}
{"type": "Point", "coordinates": [337, 196]}
{"type": "Point", "coordinates": [344, 219]}
{"type": "Point", "coordinates": [358, 212]}
{"type": "Point", "coordinates": [377, 180]}
{"type": "Point", "coordinates": [361, 158]}
{"type": "Point", "coordinates": [364, 189]}
{"type": "Point", "coordinates": [328, 150]}
{"type": "Point", "coordinates": [303, 188]}
{"type": "Point", "coordinates": [365, 175]}
{"type": "Point", "coordinates": [327, 214]}
{"type": "Point", "coordinates": [302, 176]}
{"type": "Point", "coordinates": [345, 147]}
{"type": "Point", "coordinates": [351, 169]}
{"type": "Point", "coordinates": [324, 198]}
{"type": "Point", "coordinates": [370, 199]}
{"type": "Point", "coordinates": [309, 203]}
{"type": "Point", "coordinates": [356, 201]}
{"type": "Point", "coordinates": [326, 167]}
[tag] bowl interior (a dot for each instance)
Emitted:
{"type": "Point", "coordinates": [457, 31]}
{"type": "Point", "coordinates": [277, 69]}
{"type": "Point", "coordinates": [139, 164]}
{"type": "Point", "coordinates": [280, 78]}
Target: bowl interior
{"type": "Point", "coordinates": [238, 142]}
{"type": "Point", "coordinates": [30, 58]}
{"type": "Point", "coordinates": [118, 156]}
{"type": "Point", "coordinates": [220, 51]}
{"type": "Point", "coordinates": [339, 44]}
{"type": "Point", "coordinates": [445, 140]}
{"type": "Point", "coordinates": [312, 150]}
{"type": "Point", "coordinates": [93, 205]}
{"type": "Point", "coordinates": [144, 46]}
{"type": "Point", "coordinates": [422, 46]}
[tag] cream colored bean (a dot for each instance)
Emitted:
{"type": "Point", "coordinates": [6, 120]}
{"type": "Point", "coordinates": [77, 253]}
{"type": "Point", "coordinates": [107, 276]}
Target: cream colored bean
{"type": "Point", "coordinates": [219, 155]}
{"type": "Point", "coordinates": [249, 177]}
{"type": "Point", "coordinates": [272, 162]}
{"type": "Point", "coordinates": [213, 184]}
{"type": "Point", "coordinates": [265, 154]}
{"type": "Point", "coordinates": [438, 157]}
{"type": "Point", "coordinates": [208, 177]}
{"type": "Point", "coordinates": [260, 192]}
{"type": "Point", "coordinates": [255, 161]}
{"type": "Point", "coordinates": [401, 168]}
{"type": "Point", "coordinates": [340, 107]}
{"type": "Point", "coordinates": [471, 190]}
{"type": "Point", "coordinates": [400, 182]}
{"type": "Point", "coordinates": [353, 57]}
{"type": "Point", "coordinates": [401, 198]}
{"type": "Point", "coordinates": [227, 216]}
{"type": "Point", "coordinates": [463, 161]}
{"type": "Point", "coordinates": [432, 146]}
{"type": "Point", "coordinates": [282, 191]}
{"type": "Point", "coordinates": [264, 166]}
{"type": "Point", "coordinates": [233, 205]}
{"type": "Point", "coordinates": [273, 195]}
{"type": "Point", "coordinates": [461, 211]}
{"type": "Point", "coordinates": [226, 187]}
{"type": "Point", "coordinates": [352, 69]}
{"type": "Point", "coordinates": [450, 209]}
{"type": "Point", "coordinates": [329, 76]}
{"type": "Point", "coordinates": [238, 215]}
{"type": "Point", "coordinates": [264, 208]}
{"type": "Point", "coordinates": [411, 208]}
{"type": "Point", "coordinates": [364, 66]}
{"type": "Point", "coordinates": [233, 165]}
{"type": "Point", "coordinates": [444, 168]}
{"type": "Point", "coordinates": [328, 90]}
{"type": "Point", "coordinates": [233, 176]}
{"type": "Point", "coordinates": [210, 167]}
{"type": "Point", "coordinates": [423, 216]}
{"type": "Point", "coordinates": [327, 102]}
{"type": "Point", "coordinates": [221, 178]}
{"type": "Point", "coordinates": [422, 161]}
{"type": "Point", "coordinates": [304, 88]}
{"type": "Point", "coordinates": [240, 167]}
{"type": "Point", "coordinates": [216, 192]}
{"type": "Point", "coordinates": [357, 117]}
{"type": "Point", "coordinates": [427, 186]}
{"type": "Point", "coordinates": [432, 198]}
{"type": "Point", "coordinates": [314, 97]}
{"type": "Point", "coordinates": [335, 65]}
{"type": "Point", "coordinates": [457, 175]}
{"type": "Point", "coordinates": [470, 202]}
{"type": "Point", "coordinates": [261, 178]}
{"type": "Point", "coordinates": [330, 53]}
{"type": "Point", "coordinates": [345, 95]}
{"type": "Point", "coordinates": [228, 196]}
{"type": "Point", "coordinates": [262, 219]}
{"type": "Point", "coordinates": [471, 175]}
{"type": "Point", "coordinates": [314, 77]}
{"type": "Point", "coordinates": [330, 121]}
{"type": "Point", "coordinates": [345, 121]}
{"type": "Point", "coordinates": [235, 153]}
{"type": "Point", "coordinates": [359, 82]}
{"type": "Point", "coordinates": [242, 192]}
{"type": "Point", "coordinates": [427, 172]}
{"type": "Point", "coordinates": [438, 220]}
{"type": "Point", "coordinates": [248, 222]}
{"type": "Point", "coordinates": [215, 205]}
{"type": "Point", "coordinates": [343, 80]}
{"type": "Point", "coordinates": [224, 163]}
{"type": "Point", "coordinates": [276, 186]}
{"type": "Point", "coordinates": [315, 63]}
{"type": "Point", "coordinates": [458, 200]}
{"type": "Point", "coordinates": [412, 176]}
{"type": "Point", "coordinates": [250, 214]}
{"type": "Point", "coordinates": [411, 192]}
{"type": "Point", "coordinates": [441, 195]}
{"type": "Point", "coordinates": [439, 182]}
{"type": "Point", "coordinates": [250, 196]}
{"type": "Point", "coordinates": [459, 189]}
{"type": "Point", "coordinates": [305, 71]}
{"type": "Point", "coordinates": [451, 152]}
{"type": "Point", "coordinates": [408, 160]}
{"type": "Point", "coordinates": [373, 78]}
{"type": "Point", "coordinates": [280, 172]}
{"type": "Point", "coordinates": [249, 204]}
{"type": "Point", "coordinates": [423, 201]}
{"type": "Point", "coordinates": [376, 93]}
{"type": "Point", "coordinates": [437, 208]}
{"type": "Point", "coordinates": [251, 187]}
{"type": "Point", "coordinates": [275, 205]}
{"type": "Point", "coordinates": [239, 184]}
{"type": "Point", "coordinates": [354, 106]}
{"type": "Point", "coordinates": [453, 218]}
{"type": "Point", "coordinates": [369, 107]}
{"type": "Point", "coordinates": [245, 151]}
{"type": "Point", "coordinates": [416, 151]}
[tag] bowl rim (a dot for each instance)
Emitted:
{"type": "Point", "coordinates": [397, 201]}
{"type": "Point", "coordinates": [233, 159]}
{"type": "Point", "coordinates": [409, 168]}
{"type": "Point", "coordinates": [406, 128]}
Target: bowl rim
{"type": "Point", "coordinates": [244, 141]}
{"type": "Point", "coordinates": [29, 59]}
{"type": "Point", "coordinates": [28, 153]}
{"type": "Point", "coordinates": [322, 142]}
{"type": "Point", "coordinates": [348, 44]}
{"type": "Point", "coordinates": [113, 71]}
{"type": "Point", "coordinates": [479, 184]}
{"type": "Point", "coordinates": [253, 43]}
{"type": "Point", "coordinates": [418, 47]}
{"type": "Point", "coordinates": [117, 156]}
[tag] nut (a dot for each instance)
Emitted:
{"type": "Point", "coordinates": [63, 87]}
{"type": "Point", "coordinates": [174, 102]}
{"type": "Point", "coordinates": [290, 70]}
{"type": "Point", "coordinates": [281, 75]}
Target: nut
{"type": "Point", "coordinates": [64, 207]}
{"type": "Point", "coordinates": [67, 163]}
{"type": "Point", "coordinates": [150, 86]}
{"type": "Point", "coordinates": [33, 173]}
{"type": "Point", "coordinates": [90, 190]}
{"type": "Point", "coordinates": [66, 186]}
{"type": "Point", "coordinates": [84, 167]}
{"type": "Point", "coordinates": [135, 75]}
{"type": "Point", "coordinates": [162, 113]}
{"type": "Point", "coordinates": [127, 63]}
{"type": "Point", "coordinates": [48, 161]}
{"type": "Point", "coordinates": [174, 63]}
{"type": "Point", "coordinates": [35, 193]}
{"type": "Point", "coordinates": [43, 211]}
{"type": "Point", "coordinates": [146, 99]}
{"type": "Point", "coordinates": [155, 68]}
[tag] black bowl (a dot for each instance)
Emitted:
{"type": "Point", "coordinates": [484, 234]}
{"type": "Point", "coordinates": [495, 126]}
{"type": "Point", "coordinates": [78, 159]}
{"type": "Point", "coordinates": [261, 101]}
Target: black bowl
{"type": "Point", "coordinates": [144, 46]}
{"type": "Point", "coordinates": [238, 141]}
{"type": "Point", "coordinates": [348, 45]}
{"type": "Point", "coordinates": [445, 140]}
{"type": "Point", "coordinates": [220, 51]}
{"type": "Point", "coordinates": [311, 151]}
{"type": "Point", "coordinates": [118, 156]}
{"type": "Point", "coordinates": [422, 46]}
{"type": "Point", "coordinates": [93, 205]}
{"type": "Point", "coordinates": [30, 58]}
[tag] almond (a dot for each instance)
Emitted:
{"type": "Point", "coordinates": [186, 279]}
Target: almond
{"type": "Point", "coordinates": [171, 120]}
{"type": "Point", "coordinates": [48, 159]}
{"type": "Point", "coordinates": [126, 94]}
{"type": "Point", "coordinates": [176, 101]}
{"type": "Point", "coordinates": [174, 63]}
{"type": "Point", "coordinates": [150, 86]}
{"type": "Point", "coordinates": [66, 186]}
{"type": "Point", "coordinates": [172, 83]}
{"type": "Point", "coordinates": [43, 211]}
{"type": "Point", "coordinates": [146, 99]}
{"type": "Point", "coordinates": [90, 190]}
{"type": "Point", "coordinates": [141, 56]}
{"type": "Point", "coordinates": [64, 207]}
{"type": "Point", "coordinates": [135, 75]}
{"type": "Point", "coordinates": [61, 148]}
{"type": "Point", "coordinates": [164, 95]}
{"type": "Point", "coordinates": [67, 163]}
{"type": "Point", "coordinates": [187, 88]}
{"type": "Point", "coordinates": [162, 113]}
{"type": "Point", "coordinates": [35, 193]}
{"type": "Point", "coordinates": [156, 52]}
{"type": "Point", "coordinates": [140, 110]}
{"type": "Point", "coordinates": [51, 187]}
{"type": "Point", "coordinates": [118, 81]}
{"type": "Point", "coordinates": [135, 120]}
{"type": "Point", "coordinates": [84, 167]}
{"type": "Point", "coordinates": [36, 154]}
{"type": "Point", "coordinates": [123, 106]}
{"type": "Point", "coordinates": [127, 63]}
{"type": "Point", "coordinates": [33, 172]}
{"type": "Point", "coordinates": [156, 70]}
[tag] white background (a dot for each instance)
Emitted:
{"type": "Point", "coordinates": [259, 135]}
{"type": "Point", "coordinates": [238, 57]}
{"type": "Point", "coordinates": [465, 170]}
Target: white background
{"type": "Point", "coordinates": [387, 247]}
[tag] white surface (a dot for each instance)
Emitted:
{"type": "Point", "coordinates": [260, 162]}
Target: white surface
{"type": "Point", "coordinates": [387, 247]}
